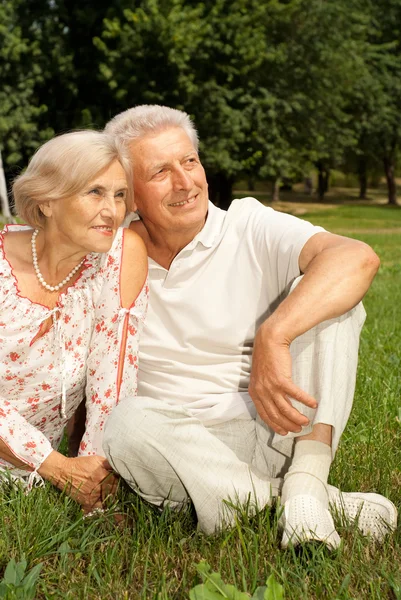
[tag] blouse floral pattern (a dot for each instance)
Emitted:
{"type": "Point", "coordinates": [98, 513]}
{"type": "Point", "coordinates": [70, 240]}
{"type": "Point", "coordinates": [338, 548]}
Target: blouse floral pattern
{"type": "Point", "coordinates": [44, 378]}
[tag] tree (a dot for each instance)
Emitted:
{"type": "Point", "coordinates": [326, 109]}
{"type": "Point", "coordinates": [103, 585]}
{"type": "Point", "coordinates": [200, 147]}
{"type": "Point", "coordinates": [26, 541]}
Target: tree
{"type": "Point", "coordinates": [274, 86]}
{"type": "Point", "coordinates": [377, 103]}
{"type": "Point", "coordinates": [49, 79]}
{"type": "Point", "coordinates": [70, 84]}
{"type": "Point", "coordinates": [19, 134]}
{"type": "Point", "coordinates": [4, 204]}
{"type": "Point", "coordinates": [192, 56]}
{"type": "Point", "coordinates": [266, 82]}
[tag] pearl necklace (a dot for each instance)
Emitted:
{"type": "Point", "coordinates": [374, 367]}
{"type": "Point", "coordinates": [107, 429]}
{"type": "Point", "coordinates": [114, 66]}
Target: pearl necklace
{"type": "Point", "coordinates": [51, 288]}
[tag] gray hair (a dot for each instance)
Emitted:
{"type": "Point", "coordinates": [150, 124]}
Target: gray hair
{"type": "Point", "coordinates": [62, 167]}
{"type": "Point", "coordinates": [149, 118]}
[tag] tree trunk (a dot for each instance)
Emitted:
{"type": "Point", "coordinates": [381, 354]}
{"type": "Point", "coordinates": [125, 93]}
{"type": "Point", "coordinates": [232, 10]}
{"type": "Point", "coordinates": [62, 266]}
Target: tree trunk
{"type": "Point", "coordinates": [213, 188]}
{"type": "Point", "coordinates": [251, 184]}
{"type": "Point", "coordinates": [321, 185]}
{"type": "Point", "coordinates": [276, 189]}
{"type": "Point", "coordinates": [4, 205]}
{"type": "Point", "coordinates": [308, 186]}
{"type": "Point", "coordinates": [363, 177]}
{"type": "Point", "coordinates": [225, 191]}
{"type": "Point", "coordinates": [326, 180]}
{"type": "Point", "coordinates": [323, 179]}
{"type": "Point", "coordinates": [389, 169]}
{"type": "Point", "coordinates": [220, 189]}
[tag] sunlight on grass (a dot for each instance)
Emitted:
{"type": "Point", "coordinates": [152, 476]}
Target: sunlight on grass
{"type": "Point", "coordinates": [354, 218]}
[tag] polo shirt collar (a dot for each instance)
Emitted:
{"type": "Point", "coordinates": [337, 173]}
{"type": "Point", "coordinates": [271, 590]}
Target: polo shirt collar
{"type": "Point", "coordinates": [212, 227]}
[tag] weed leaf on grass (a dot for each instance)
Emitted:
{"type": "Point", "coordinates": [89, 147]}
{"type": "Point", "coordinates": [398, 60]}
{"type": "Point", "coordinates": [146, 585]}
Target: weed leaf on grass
{"type": "Point", "coordinates": [29, 582]}
{"type": "Point", "coordinates": [259, 593]}
{"type": "Point", "coordinates": [214, 588]}
{"type": "Point", "coordinates": [16, 584]}
{"type": "Point", "coordinates": [14, 573]}
{"type": "Point", "coordinates": [271, 591]}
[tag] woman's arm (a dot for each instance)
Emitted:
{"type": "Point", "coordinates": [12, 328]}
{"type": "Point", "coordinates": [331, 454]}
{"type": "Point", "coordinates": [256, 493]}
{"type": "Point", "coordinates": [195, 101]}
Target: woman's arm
{"type": "Point", "coordinates": [22, 444]}
{"type": "Point", "coordinates": [112, 359]}
{"type": "Point", "coordinates": [87, 480]}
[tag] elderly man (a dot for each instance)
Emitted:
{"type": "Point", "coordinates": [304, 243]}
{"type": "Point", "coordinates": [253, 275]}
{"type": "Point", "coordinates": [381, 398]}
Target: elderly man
{"type": "Point", "coordinates": [240, 356]}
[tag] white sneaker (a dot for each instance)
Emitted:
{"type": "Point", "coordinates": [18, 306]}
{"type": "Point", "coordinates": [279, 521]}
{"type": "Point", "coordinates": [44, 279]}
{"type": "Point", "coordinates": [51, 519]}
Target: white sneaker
{"type": "Point", "coordinates": [304, 519]}
{"type": "Point", "coordinates": [374, 514]}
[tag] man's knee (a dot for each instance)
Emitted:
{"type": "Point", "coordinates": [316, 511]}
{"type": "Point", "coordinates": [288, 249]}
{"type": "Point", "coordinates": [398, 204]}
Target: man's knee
{"type": "Point", "coordinates": [127, 429]}
{"type": "Point", "coordinates": [135, 443]}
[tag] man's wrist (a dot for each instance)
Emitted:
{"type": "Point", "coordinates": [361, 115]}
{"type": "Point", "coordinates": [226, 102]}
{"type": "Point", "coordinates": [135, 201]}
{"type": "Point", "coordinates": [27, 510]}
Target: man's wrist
{"type": "Point", "coordinates": [274, 330]}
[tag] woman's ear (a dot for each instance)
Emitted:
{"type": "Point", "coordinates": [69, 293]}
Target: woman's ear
{"type": "Point", "coordinates": [46, 208]}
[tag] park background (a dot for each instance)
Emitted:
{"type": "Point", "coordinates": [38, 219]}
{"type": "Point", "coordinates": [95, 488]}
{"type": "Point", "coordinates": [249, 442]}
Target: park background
{"type": "Point", "coordinates": [297, 103]}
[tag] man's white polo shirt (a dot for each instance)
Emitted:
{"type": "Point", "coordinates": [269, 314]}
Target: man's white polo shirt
{"type": "Point", "coordinates": [196, 345]}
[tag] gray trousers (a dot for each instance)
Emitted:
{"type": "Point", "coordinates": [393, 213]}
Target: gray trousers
{"type": "Point", "coordinates": [169, 457]}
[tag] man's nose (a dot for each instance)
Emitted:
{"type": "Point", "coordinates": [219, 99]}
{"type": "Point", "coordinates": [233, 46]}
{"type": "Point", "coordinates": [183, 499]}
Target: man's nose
{"type": "Point", "coordinates": [182, 180]}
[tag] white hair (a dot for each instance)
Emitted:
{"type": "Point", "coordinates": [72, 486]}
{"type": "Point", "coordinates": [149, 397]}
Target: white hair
{"type": "Point", "coordinates": [149, 118]}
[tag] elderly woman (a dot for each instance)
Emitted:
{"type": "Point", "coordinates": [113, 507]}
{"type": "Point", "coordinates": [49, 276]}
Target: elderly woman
{"type": "Point", "coordinates": [72, 301]}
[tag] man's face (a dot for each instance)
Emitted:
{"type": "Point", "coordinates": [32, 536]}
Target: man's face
{"type": "Point", "coordinates": [170, 188]}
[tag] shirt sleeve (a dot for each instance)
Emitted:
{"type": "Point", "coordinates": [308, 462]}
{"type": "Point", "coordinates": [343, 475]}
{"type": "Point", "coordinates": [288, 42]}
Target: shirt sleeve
{"type": "Point", "coordinates": [108, 348]}
{"type": "Point", "coordinates": [24, 440]}
{"type": "Point", "coordinates": [277, 240]}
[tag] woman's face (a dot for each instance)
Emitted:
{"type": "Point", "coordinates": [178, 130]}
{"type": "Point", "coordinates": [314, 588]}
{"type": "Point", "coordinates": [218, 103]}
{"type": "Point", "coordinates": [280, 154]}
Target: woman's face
{"type": "Point", "coordinates": [88, 221]}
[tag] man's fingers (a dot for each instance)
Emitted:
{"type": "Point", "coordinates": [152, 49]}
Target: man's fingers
{"type": "Point", "coordinates": [285, 414]}
{"type": "Point", "coordinates": [277, 428]}
{"type": "Point", "coordinates": [276, 409]}
{"type": "Point", "coordinates": [264, 415]}
{"type": "Point", "coordinates": [297, 394]}
{"type": "Point", "coordinates": [284, 422]}
{"type": "Point", "coordinates": [275, 418]}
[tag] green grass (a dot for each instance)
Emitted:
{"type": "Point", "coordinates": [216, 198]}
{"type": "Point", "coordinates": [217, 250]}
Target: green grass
{"type": "Point", "coordinates": [357, 217]}
{"type": "Point", "coordinates": [155, 556]}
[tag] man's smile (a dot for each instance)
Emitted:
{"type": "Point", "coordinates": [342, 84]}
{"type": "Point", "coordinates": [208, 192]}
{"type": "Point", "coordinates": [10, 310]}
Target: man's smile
{"type": "Point", "coordinates": [183, 202]}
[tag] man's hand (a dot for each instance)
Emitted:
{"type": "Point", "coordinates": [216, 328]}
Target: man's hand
{"type": "Point", "coordinates": [271, 386]}
{"type": "Point", "coordinates": [87, 479]}
{"type": "Point", "coordinates": [337, 273]}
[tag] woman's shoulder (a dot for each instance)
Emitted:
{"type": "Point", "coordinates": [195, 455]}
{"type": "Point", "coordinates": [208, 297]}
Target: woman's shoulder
{"type": "Point", "coordinates": [134, 248]}
{"type": "Point", "coordinates": [16, 243]}
{"type": "Point", "coordinates": [134, 267]}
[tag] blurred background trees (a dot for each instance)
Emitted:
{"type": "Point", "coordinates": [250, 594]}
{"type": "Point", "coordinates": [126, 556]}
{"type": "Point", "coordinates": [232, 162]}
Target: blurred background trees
{"type": "Point", "coordinates": [276, 88]}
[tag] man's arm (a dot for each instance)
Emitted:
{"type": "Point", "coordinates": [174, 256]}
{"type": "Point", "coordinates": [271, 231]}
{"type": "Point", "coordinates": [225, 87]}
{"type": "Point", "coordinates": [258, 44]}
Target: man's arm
{"type": "Point", "coordinates": [337, 274]}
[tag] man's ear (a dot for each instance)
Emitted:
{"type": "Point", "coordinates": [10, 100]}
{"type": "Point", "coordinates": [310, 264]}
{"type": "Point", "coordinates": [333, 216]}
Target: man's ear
{"type": "Point", "coordinates": [46, 208]}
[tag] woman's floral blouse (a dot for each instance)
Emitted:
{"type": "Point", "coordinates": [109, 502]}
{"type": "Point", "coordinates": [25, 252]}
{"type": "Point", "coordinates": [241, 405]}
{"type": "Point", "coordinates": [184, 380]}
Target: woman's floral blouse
{"type": "Point", "coordinates": [44, 378]}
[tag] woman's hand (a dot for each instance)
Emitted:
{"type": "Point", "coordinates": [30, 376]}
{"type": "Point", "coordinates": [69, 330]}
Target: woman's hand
{"type": "Point", "coordinates": [87, 479]}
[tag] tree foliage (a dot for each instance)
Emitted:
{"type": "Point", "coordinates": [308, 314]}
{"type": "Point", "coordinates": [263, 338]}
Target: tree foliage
{"type": "Point", "coordinates": [377, 100]}
{"type": "Point", "coordinates": [266, 82]}
{"type": "Point", "coordinates": [274, 86]}
{"type": "Point", "coordinates": [19, 74]}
